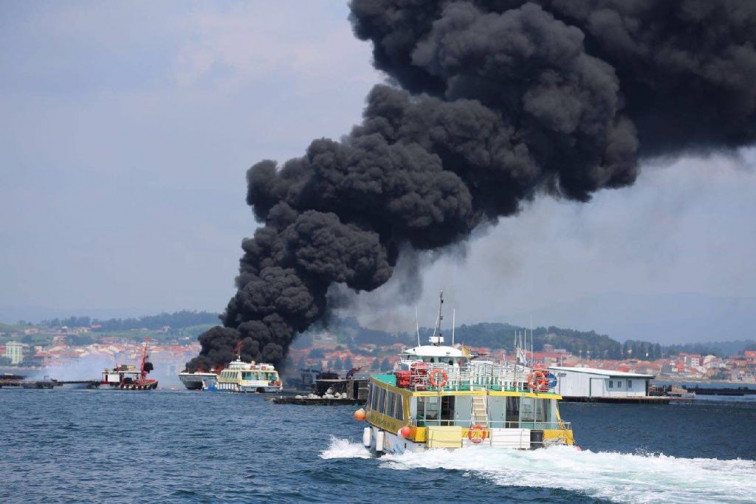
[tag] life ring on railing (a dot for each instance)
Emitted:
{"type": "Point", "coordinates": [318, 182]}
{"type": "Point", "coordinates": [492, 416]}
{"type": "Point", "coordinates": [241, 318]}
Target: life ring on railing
{"type": "Point", "coordinates": [277, 383]}
{"type": "Point", "coordinates": [438, 383]}
{"type": "Point", "coordinates": [476, 434]}
{"type": "Point", "coordinates": [538, 381]}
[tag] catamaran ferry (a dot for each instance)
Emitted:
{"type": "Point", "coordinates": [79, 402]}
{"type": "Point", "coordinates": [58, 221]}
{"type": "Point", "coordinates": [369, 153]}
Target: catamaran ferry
{"type": "Point", "coordinates": [242, 376]}
{"type": "Point", "coordinates": [443, 397]}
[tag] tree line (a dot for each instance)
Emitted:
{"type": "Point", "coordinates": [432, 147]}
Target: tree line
{"type": "Point", "coordinates": [178, 320]}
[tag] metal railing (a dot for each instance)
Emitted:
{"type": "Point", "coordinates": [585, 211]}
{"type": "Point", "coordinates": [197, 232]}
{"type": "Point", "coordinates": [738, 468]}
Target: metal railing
{"type": "Point", "coordinates": [492, 424]}
{"type": "Point", "coordinates": [506, 376]}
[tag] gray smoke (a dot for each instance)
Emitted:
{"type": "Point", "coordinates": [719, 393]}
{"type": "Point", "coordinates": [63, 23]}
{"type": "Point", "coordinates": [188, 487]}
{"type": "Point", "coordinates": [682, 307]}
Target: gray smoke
{"type": "Point", "coordinates": [488, 104]}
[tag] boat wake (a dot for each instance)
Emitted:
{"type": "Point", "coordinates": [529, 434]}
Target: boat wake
{"type": "Point", "coordinates": [343, 448]}
{"type": "Point", "coordinates": [617, 477]}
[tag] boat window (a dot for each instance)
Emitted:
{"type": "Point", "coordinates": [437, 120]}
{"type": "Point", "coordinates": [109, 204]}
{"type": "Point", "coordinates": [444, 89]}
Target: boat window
{"type": "Point", "coordinates": [427, 410]}
{"type": "Point", "coordinates": [399, 408]}
{"type": "Point", "coordinates": [611, 384]}
{"type": "Point", "coordinates": [629, 383]}
{"type": "Point", "coordinates": [246, 376]}
{"type": "Point", "coordinates": [373, 397]}
{"type": "Point", "coordinates": [382, 401]}
{"type": "Point", "coordinates": [532, 410]}
{"type": "Point", "coordinates": [390, 401]}
{"type": "Point", "coordinates": [619, 383]}
{"type": "Point", "coordinates": [369, 401]}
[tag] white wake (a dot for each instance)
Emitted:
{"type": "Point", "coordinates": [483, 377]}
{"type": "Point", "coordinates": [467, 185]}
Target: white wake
{"type": "Point", "coordinates": [618, 477]}
{"type": "Point", "coordinates": [343, 448]}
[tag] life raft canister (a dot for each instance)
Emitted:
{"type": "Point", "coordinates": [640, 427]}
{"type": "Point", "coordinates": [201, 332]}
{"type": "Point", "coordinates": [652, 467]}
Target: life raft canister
{"type": "Point", "coordinates": [438, 383]}
{"type": "Point", "coordinates": [476, 434]}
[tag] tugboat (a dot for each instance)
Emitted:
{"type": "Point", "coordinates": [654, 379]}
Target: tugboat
{"type": "Point", "coordinates": [128, 377]}
{"type": "Point", "coordinates": [444, 397]}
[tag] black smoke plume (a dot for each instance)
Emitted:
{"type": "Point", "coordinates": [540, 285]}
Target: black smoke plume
{"type": "Point", "coordinates": [488, 104]}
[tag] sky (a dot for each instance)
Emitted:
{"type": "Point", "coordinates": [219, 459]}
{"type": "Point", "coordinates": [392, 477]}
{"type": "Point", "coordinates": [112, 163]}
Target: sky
{"type": "Point", "coordinates": [128, 128]}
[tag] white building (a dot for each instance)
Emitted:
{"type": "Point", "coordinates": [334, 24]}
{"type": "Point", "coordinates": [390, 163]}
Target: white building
{"type": "Point", "coordinates": [16, 352]}
{"type": "Point", "coordinates": [580, 382]}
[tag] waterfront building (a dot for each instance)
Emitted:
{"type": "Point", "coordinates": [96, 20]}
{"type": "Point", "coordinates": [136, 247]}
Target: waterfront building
{"type": "Point", "coordinates": [583, 383]}
{"type": "Point", "coordinates": [16, 351]}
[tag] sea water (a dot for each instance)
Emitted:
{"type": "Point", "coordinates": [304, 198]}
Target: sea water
{"type": "Point", "coordinates": [181, 446]}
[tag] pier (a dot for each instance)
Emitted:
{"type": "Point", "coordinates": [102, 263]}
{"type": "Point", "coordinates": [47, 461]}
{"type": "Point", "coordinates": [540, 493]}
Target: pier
{"type": "Point", "coordinates": [628, 400]}
{"type": "Point", "coordinates": [46, 383]}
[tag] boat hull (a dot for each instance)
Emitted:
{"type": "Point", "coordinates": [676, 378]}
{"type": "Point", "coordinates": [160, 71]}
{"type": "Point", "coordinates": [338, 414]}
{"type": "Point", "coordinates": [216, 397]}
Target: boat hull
{"type": "Point", "coordinates": [245, 389]}
{"type": "Point", "coordinates": [198, 381]}
{"type": "Point", "coordinates": [145, 385]}
{"type": "Point", "coordinates": [381, 441]}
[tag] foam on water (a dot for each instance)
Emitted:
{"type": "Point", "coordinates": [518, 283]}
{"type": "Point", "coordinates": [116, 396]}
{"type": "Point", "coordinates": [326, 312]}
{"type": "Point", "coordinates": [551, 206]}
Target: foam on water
{"type": "Point", "coordinates": [343, 448]}
{"type": "Point", "coordinates": [618, 477]}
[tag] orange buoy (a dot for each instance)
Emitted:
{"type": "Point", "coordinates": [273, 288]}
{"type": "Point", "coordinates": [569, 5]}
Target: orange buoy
{"type": "Point", "coordinates": [537, 381]}
{"type": "Point", "coordinates": [359, 415]}
{"type": "Point", "coordinates": [438, 378]}
{"type": "Point", "coordinates": [405, 431]}
{"type": "Point", "coordinates": [476, 434]}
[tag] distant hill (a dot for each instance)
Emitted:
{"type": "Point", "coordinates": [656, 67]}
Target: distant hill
{"type": "Point", "coordinates": [618, 315]}
{"type": "Point", "coordinates": [661, 318]}
{"type": "Point", "coordinates": [177, 320]}
{"type": "Point", "coordinates": [502, 335]}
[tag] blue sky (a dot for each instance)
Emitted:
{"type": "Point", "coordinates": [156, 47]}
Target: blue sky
{"type": "Point", "coordinates": [128, 128]}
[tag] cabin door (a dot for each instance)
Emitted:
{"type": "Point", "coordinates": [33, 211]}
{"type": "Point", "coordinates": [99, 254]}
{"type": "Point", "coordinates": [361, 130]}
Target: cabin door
{"type": "Point", "coordinates": [447, 410]}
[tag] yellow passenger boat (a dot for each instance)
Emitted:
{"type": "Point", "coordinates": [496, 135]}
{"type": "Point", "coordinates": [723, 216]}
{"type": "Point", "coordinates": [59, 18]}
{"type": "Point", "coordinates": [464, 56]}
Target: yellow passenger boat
{"type": "Point", "coordinates": [443, 397]}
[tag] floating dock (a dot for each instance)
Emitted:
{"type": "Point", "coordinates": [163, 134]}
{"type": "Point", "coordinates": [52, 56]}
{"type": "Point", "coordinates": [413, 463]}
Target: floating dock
{"type": "Point", "coordinates": [629, 400]}
{"type": "Point", "coordinates": [329, 392]}
{"type": "Point", "coordinates": [31, 384]}
{"type": "Point", "coordinates": [47, 383]}
{"type": "Point", "coordinates": [314, 401]}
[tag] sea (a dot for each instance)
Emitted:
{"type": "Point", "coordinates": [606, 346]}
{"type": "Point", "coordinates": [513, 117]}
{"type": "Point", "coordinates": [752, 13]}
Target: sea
{"type": "Point", "coordinates": [177, 446]}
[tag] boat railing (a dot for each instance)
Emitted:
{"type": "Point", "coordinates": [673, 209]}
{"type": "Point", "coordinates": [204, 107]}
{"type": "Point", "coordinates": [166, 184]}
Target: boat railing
{"type": "Point", "coordinates": [504, 376]}
{"type": "Point", "coordinates": [492, 424]}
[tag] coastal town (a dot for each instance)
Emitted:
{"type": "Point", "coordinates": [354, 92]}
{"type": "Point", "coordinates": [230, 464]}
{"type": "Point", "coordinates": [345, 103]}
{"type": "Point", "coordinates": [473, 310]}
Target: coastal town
{"type": "Point", "coordinates": [82, 352]}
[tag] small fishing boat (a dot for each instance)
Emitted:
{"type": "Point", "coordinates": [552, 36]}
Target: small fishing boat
{"type": "Point", "coordinates": [444, 397]}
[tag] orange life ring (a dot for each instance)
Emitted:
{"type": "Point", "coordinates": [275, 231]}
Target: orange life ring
{"type": "Point", "coordinates": [538, 381]}
{"type": "Point", "coordinates": [277, 383]}
{"type": "Point", "coordinates": [438, 383]}
{"type": "Point", "coordinates": [476, 434]}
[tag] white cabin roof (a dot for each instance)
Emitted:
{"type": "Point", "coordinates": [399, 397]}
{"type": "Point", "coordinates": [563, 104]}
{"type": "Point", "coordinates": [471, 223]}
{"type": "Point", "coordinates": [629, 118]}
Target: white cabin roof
{"type": "Point", "coordinates": [434, 351]}
{"type": "Point", "coordinates": [603, 372]}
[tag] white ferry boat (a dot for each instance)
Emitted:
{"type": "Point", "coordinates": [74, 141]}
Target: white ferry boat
{"type": "Point", "coordinates": [443, 397]}
{"type": "Point", "coordinates": [242, 376]}
{"type": "Point", "coordinates": [198, 380]}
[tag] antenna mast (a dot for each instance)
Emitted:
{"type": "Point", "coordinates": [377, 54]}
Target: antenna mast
{"type": "Point", "coordinates": [417, 327]}
{"type": "Point", "coordinates": [454, 320]}
{"type": "Point", "coordinates": [437, 337]}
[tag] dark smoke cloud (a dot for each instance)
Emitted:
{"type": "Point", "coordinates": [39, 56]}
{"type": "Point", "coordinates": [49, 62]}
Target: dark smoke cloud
{"type": "Point", "coordinates": [489, 103]}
